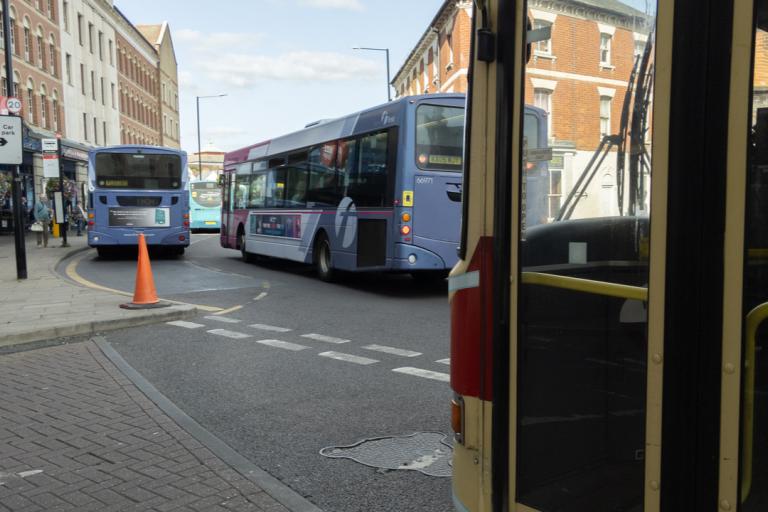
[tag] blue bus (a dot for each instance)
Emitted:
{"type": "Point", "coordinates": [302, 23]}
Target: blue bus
{"type": "Point", "coordinates": [379, 190]}
{"type": "Point", "coordinates": [137, 189]}
{"type": "Point", "coordinates": [205, 205]}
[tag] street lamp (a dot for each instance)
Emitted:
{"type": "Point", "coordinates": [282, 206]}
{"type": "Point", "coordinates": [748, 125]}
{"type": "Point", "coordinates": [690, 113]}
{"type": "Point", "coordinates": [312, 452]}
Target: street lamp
{"type": "Point", "coordinates": [389, 91]}
{"type": "Point", "coordinates": [199, 149]}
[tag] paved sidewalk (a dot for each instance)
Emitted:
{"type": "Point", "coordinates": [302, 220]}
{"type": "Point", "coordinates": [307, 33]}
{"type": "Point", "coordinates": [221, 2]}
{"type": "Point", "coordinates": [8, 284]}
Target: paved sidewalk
{"type": "Point", "coordinates": [46, 306]}
{"type": "Point", "coordinates": [77, 434]}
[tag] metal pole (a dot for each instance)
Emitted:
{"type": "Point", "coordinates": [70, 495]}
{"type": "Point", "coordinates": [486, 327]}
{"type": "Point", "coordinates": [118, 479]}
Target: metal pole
{"type": "Point", "coordinates": [65, 224]}
{"type": "Point", "coordinates": [199, 155]}
{"type": "Point", "coordinates": [389, 88]}
{"type": "Point", "coordinates": [18, 208]}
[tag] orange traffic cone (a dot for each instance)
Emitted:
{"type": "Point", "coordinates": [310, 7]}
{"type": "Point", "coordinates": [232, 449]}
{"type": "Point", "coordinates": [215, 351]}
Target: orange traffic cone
{"type": "Point", "coordinates": [145, 294]}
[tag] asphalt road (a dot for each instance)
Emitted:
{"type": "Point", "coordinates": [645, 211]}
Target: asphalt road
{"type": "Point", "coordinates": [301, 366]}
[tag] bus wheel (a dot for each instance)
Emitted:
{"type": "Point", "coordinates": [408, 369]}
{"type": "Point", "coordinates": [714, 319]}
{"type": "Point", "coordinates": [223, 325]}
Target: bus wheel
{"type": "Point", "coordinates": [104, 253]}
{"type": "Point", "coordinates": [323, 259]}
{"type": "Point", "coordinates": [180, 251]}
{"type": "Point", "coordinates": [430, 276]}
{"type": "Point", "coordinates": [246, 257]}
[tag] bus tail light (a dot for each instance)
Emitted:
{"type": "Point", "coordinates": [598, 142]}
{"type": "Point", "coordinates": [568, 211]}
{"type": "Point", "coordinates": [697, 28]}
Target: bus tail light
{"type": "Point", "coordinates": [186, 215]}
{"type": "Point", "coordinates": [406, 217]}
{"type": "Point", "coordinates": [91, 216]}
{"type": "Point", "coordinates": [457, 418]}
{"type": "Point", "coordinates": [405, 230]}
{"type": "Point", "coordinates": [182, 238]}
{"type": "Point", "coordinates": [91, 223]}
{"type": "Point", "coordinates": [186, 223]}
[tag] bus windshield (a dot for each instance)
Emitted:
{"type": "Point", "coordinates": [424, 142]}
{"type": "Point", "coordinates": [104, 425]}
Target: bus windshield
{"type": "Point", "coordinates": [439, 138]}
{"type": "Point", "coordinates": [207, 195]}
{"type": "Point", "coordinates": [138, 171]}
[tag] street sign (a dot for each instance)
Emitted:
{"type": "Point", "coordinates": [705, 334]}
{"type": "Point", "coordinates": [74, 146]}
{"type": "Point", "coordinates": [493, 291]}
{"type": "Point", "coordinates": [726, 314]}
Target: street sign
{"type": "Point", "coordinates": [13, 105]}
{"type": "Point", "coordinates": [10, 140]}
{"type": "Point", "coordinates": [537, 154]}
{"type": "Point", "coordinates": [58, 208]}
{"type": "Point", "coordinates": [51, 145]}
{"type": "Point", "coordinates": [50, 158]}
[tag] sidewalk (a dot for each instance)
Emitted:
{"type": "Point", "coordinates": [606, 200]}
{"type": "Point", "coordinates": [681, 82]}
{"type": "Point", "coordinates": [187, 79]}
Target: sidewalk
{"type": "Point", "coordinates": [76, 434]}
{"type": "Point", "coordinates": [47, 306]}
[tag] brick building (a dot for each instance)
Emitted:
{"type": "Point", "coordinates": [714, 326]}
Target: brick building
{"type": "Point", "coordinates": [440, 60]}
{"type": "Point", "coordinates": [579, 77]}
{"type": "Point", "coordinates": [160, 37]}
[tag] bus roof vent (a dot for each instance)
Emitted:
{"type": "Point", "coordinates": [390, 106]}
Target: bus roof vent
{"type": "Point", "coordinates": [317, 123]}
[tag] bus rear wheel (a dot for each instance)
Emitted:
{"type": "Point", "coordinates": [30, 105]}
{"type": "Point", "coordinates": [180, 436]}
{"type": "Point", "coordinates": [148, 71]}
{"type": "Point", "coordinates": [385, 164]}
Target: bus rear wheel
{"type": "Point", "coordinates": [244, 255]}
{"type": "Point", "coordinates": [323, 259]}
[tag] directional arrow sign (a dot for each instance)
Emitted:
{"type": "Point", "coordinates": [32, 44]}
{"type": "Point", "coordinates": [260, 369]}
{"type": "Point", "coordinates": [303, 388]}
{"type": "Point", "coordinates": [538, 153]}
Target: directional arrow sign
{"type": "Point", "coordinates": [10, 140]}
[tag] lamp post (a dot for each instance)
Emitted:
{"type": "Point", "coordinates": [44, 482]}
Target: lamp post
{"type": "Point", "coordinates": [389, 90]}
{"type": "Point", "coordinates": [199, 149]}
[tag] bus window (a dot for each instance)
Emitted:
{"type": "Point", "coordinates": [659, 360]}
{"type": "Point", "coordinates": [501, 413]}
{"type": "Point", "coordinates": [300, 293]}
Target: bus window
{"type": "Point", "coordinates": [296, 186]}
{"type": "Point", "coordinates": [276, 188]}
{"type": "Point", "coordinates": [439, 138]}
{"type": "Point", "coordinates": [531, 131]}
{"type": "Point", "coordinates": [368, 185]}
{"type": "Point", "coordinates": [258, 191]}
{"type": "Point", "coordinates": [137, 170]}
{"type": "Point", "coordinates": [345, 163]}
{"type": "Point", "coordinates": [242, 186]}
{"type": "Point", "coordinates": [325, 187]}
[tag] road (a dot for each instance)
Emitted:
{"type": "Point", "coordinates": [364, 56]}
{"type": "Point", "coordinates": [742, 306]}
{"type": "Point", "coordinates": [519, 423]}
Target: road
{"type": "Point", "coordinates": [295, 365]}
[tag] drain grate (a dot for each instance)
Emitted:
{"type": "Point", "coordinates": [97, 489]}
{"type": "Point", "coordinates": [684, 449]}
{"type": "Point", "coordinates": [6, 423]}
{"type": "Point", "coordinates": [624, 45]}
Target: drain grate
{"type": "Point", "coordinates": [429, 453]}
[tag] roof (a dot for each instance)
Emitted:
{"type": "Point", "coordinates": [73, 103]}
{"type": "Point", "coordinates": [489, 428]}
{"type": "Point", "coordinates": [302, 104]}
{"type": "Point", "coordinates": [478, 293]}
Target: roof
{"type": "Point", "coordinates": [151, 33]}
{"type": "Point", "coordinates": [613, 5]}
{"type": "Point", "coordinates": [440, 12]}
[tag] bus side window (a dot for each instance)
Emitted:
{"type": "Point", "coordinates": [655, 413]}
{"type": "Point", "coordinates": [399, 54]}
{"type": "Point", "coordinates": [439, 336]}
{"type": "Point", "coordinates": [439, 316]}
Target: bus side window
{"type": "Point", "coordinates": [345, 164]}
{"type": "Point", "coordinates": [368, 186]}
{"type": "Point", "coordinates": [276, 188]}
{"type": "Point", "coordinates": [242, 186]}
{"type": "Point", "coordinates": [258, 191]}
{"type": "Point", "coordinates": [324, 186]}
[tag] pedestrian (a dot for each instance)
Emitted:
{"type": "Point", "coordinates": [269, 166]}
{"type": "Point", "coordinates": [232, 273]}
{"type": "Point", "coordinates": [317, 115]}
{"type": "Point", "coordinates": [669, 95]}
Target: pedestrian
{"type": "Point", "coordinates": [43, 217]}
{"type": "Point", "coordinates": [79, 217]}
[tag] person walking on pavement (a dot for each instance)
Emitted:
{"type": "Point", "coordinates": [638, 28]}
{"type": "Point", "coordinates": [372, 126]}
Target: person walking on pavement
{"type": "Point", "coordinates": [79, 216]}
{"type": "Point", "coordinates": [42, 215]}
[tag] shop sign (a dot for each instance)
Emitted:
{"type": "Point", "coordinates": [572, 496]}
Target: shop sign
{"type": "Point", "coordinates": [74, 154]}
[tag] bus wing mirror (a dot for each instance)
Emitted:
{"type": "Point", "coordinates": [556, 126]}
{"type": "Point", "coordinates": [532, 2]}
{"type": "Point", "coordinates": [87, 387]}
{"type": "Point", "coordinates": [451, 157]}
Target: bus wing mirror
{"type": "Point", "coordinates": [221, 180]}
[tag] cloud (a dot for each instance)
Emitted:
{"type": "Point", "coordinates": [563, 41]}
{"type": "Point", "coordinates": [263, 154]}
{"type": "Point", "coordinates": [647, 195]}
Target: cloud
{"type": "Point", "coordinates": [214, 40]}
{"type": "Point", "coordinates": [244, 71]}
{"type": "Point", "coordinates": [353, 5]}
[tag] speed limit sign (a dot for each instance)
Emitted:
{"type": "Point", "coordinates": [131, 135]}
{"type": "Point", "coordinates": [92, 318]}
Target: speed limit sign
{"type": "Point", "coordinates": [14, 105]}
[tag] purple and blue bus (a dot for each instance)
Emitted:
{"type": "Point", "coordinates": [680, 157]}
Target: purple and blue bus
{"type": "Point", "coordinates": [378, 190]}
{"type": "Point", "coordinates": [138, 189]}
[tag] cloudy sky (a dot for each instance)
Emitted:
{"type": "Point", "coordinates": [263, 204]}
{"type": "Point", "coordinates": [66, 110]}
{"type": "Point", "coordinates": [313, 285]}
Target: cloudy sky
{"type": "Point", "coordinates": [282, 63]}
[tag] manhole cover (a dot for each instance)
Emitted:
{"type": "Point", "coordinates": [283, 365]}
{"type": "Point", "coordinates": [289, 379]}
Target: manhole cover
{"type": "Point", "coordinates": [427, 452]}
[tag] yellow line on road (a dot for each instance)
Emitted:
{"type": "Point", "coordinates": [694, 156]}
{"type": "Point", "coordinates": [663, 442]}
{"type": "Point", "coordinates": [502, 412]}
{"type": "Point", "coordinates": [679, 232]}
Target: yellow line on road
{"type": "Point", "coordinates": [71, 272]}
{"type": "Point", "coordinates": [230, 310]}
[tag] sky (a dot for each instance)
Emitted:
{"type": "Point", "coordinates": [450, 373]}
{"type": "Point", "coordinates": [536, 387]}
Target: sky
{"type": "Point", "coordinates": [281, 63]}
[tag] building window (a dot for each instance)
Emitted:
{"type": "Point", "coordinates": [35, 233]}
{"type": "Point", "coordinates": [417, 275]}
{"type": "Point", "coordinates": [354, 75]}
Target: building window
{"type": "Point", "coordinates": [2, 32]}
{"type": "Point", "coordinates": [95, 131]}
{"type": "Point", "coordinates": [55, 108]}
{"type": "Point", "coordinates": [68, 67]}
{"type": "Point", "coordinates": [65, 15]}
{"type": "Point", "coordinates": [30, 105]}
{"type": "Point", "coordinates": [104, 132]}
{"type": "Point", "coordinates": [542, 47]}
{"type": "Point", "coordinates": [605, 115]}
{"type": "Point", "coordinates": [93, 85]}
{"type": "Point", "coordinates": [27, 45]}
{"type": "Point", "coordinates": [101, 45]}
{"type": "Point", "coordinates": [51, 11]}
{"type": "Point", "coordinates": [80, 29]}
{"type": "Point", "coordinates": [85, 126]}
{"type": "Point", "coordinates": [111, 53]}
{"type": "Point", "coordinates": [113, 96]}
{"type": "Point", "coordinates": [82, 78]}
{"type": "Point", "coordinates": [52, 51]}
{"type": "Point", "coordinates": [605, 49]}
{"type": "Point", "coordinates": [90, 37]}
{"type": "Point", "coordinates": [13, 36]}
{"type": "Point", "coordinates": [43, 111]}
{"type": "Point", "coordinates": [542, 98]}
{"type": "Point", "coordinates": [103, 96]}
{"type": "Point", "coordinates": [555, 192]}
{"type": "Point", "coordinates": [40, 52]}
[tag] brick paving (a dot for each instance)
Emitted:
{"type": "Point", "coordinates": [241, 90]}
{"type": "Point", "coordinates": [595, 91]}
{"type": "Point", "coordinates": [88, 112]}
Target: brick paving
{"type": "Point", "coordinates": [76, 434]}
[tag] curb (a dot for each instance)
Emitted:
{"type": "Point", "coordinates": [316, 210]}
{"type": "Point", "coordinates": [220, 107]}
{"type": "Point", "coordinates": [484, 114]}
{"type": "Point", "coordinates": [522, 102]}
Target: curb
{"type": "Point", "coordinates": [286, 496]}
{"type": "Point", "coordinates": [104, 325]}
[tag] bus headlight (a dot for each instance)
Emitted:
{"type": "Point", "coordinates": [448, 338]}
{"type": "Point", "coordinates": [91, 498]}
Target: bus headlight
{"type": "Point", "coordinates": [412, 259]}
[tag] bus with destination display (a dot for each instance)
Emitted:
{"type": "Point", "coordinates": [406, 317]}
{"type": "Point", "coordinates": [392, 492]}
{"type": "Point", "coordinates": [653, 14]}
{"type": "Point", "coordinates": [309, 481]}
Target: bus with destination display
{"type": "Point", "coordinates": [378, 190]}
{"type": "Point", "coordinates": [205, 205]}
{"type": "Point", "coordinates": [137, 189]}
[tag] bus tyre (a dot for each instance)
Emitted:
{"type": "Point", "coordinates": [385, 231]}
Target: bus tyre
{"type": "Point", "coordinates": [323, 259]}
{"type": "Point", "coordinates": [180, 251]}
{"type": "Point", "coordinates": [430, 276]}
{"type": "Point", "coordinates": [104, 253]}
{"type": "Point", "coordinates": [246, 257]}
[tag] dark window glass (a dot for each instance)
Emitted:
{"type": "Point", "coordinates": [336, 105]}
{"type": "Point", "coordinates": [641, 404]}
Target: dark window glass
{"type": "Point", "coordinates": [242, 185]}
{"type": "Point", "coordinates": [295, 186]}
{"type": "Point", "coordinates": [207, 195]}
{"type": "Point", "coordinates": [258, 191]}
{"type": "Point", "coordinates": [439, 138]}
{"type": "Point", "coordinates": [276, 188]}
{"type": "Point", "coordinates": [346, 160]}
{"type": "Point", "coordinates": [368, 184]}
{"type": "Point", "coordinates": [326, 183]}
{"type": "Point", "coordinates": [142, 171]}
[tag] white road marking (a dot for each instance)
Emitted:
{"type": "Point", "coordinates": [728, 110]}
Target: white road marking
{"type": "Point", "coordinates": [444, 361]}
{"type": "Point", "coordinates": [260, 296]}
{"type": "Point", "coordinates": [223, 319]}
{"type": "Point", "coordinates": [271, 328]}
{"type": "Point", "coordinates": [348, 358]}
{"type": "Point", "coordinates": [427, 374]}
{"type": "Point", "coordinates": [392, 350]}
{"type": "Point", "coordinates": [186, 325]}
{"type": "Point", "coordinates": [229, 334]}
{"type": "Point", "coordinates": [327, 339]}
{"type": "Point", "coordinates": [283, 344]}
{"type": "Point", "coordinates": [25, 474]}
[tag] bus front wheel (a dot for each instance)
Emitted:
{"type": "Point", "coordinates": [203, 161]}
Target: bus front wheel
{"type": "Point", "coordinates": [246, 257]}
{"type": "Point", "coordinates": [323, 259]}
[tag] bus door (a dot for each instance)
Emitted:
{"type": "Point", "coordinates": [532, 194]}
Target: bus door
{"type": "Point", "coordinates": [613, 357]}
{"type": "Point", "coordinates": [436, 196]}
{"type": "Point", "coordinates": [227, 206]}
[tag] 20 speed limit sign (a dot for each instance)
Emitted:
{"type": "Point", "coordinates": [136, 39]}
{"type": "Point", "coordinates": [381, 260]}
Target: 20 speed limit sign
{"type": "Point", "coordinates": [14, 105]}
